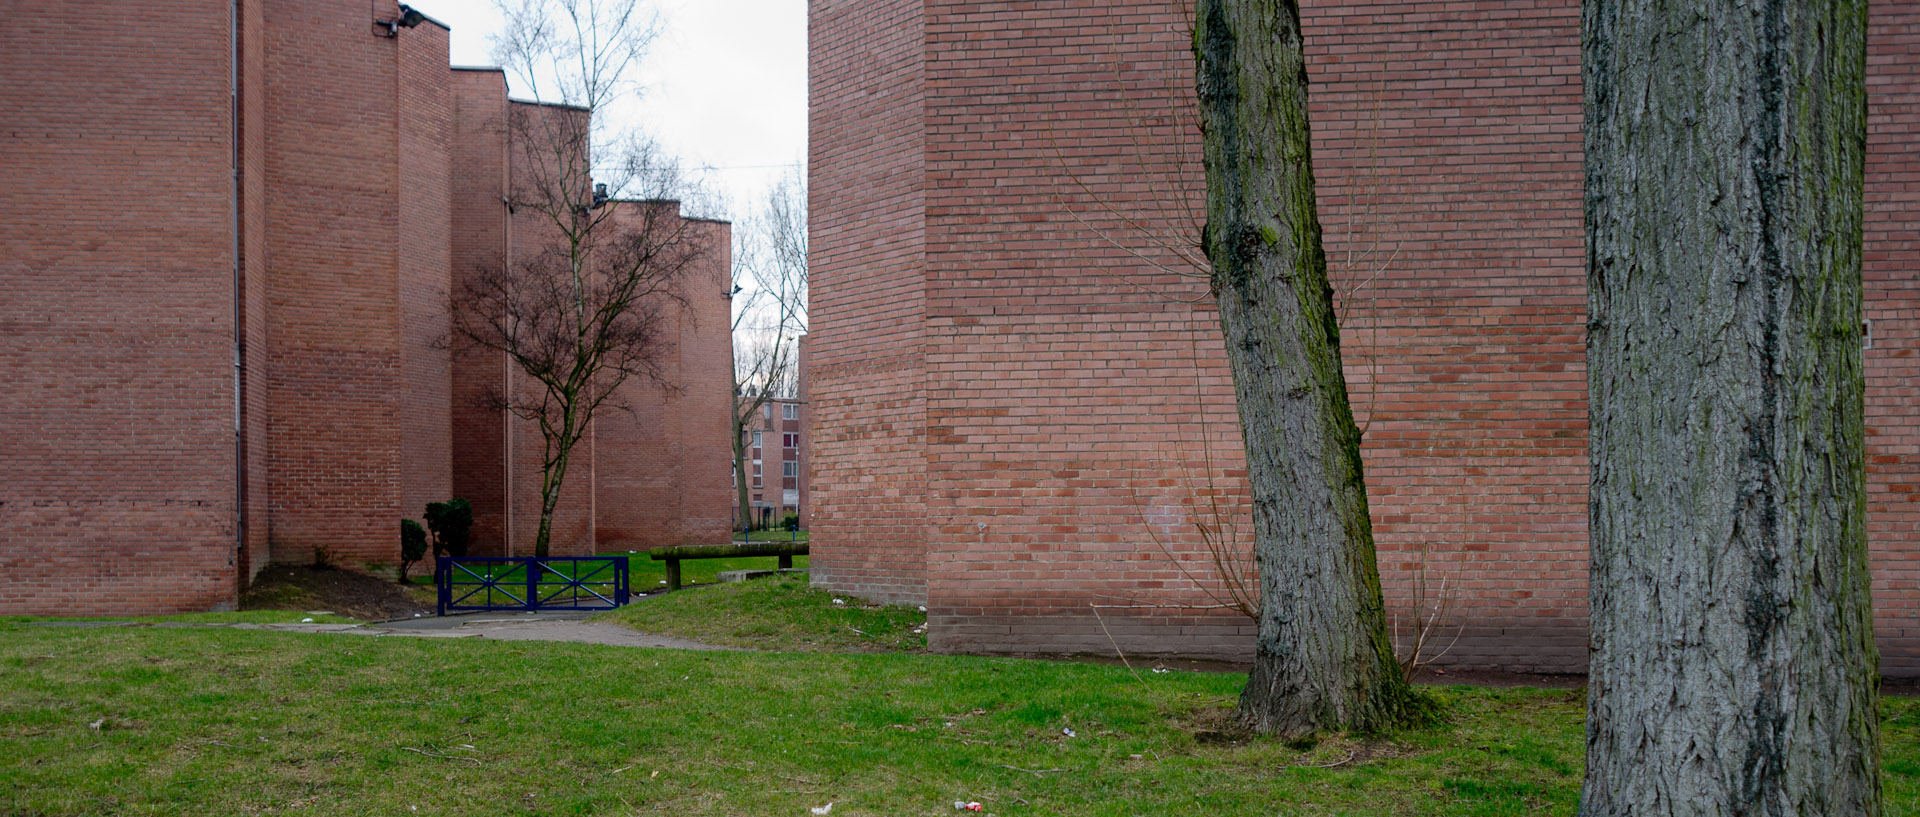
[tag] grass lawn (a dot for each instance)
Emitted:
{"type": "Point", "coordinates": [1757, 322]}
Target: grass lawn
{"type": "Point", "coordinates": [173, 721]}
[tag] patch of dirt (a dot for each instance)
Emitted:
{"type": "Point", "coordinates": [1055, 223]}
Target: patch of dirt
{"type": "Point", "coordinates": [1217, 726]}
{"type": "Point", "coordinates": [351, 594]}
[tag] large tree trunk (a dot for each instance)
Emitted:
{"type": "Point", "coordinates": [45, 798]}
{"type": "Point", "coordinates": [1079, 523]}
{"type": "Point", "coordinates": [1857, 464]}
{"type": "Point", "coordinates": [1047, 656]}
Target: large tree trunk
{"type": "Point", "coordinates": [1323, 659]}
{"type": "Point", "coordinates": [1733, 668]}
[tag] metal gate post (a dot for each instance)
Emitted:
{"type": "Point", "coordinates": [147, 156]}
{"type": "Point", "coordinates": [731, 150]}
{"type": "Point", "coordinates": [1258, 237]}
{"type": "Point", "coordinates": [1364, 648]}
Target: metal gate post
{"type": "Point", "coordinates": [533, 584]}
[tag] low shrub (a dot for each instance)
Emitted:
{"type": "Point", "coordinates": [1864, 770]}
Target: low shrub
{"type": "Point", "coordinates": [451, 523]}
{"type": "Point", "coordinates": [413, 545]}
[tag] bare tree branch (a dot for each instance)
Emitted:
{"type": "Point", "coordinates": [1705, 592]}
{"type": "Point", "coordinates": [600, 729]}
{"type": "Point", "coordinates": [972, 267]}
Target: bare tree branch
{"type": "Point", "coordinates": [582, 304]}
{"type": "Point", "coordinates": [770, 312]}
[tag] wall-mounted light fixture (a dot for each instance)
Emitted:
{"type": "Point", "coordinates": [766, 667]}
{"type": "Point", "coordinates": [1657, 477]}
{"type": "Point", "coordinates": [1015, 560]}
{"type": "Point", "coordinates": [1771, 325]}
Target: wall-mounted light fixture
{"type": "Point", "coordinates": [409, 17]}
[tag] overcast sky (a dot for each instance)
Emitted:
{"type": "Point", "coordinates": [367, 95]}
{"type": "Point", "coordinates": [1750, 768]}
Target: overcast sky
{"type": "Point", "coordinates": [726, 86]}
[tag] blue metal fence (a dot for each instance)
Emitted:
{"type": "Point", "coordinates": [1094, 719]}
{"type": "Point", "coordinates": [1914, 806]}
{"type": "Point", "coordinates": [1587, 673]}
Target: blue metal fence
{"type": "Point", "coordinates": [530, 583]}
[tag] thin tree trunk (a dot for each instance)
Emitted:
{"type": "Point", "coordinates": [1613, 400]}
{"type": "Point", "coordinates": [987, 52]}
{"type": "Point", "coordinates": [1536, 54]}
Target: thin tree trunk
{"type": "Point", "coordinates": [1733, 668]}
{"type": "Point", "coordinates": [740, 470]}
{"type": "Point", "coordinates": [552, 477]}
{"type": "Point", "coordinates": [1324, 659]}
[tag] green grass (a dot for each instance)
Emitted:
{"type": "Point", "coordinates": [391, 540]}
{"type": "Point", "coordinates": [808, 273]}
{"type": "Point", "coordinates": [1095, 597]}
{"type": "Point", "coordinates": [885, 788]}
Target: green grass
{"type": "Point", "coordinates": [648, 575]}
{"type": "Point", "coordinates": [777, 613]}
{"type": "Point", "coordinates": [143, 720]}
{"type": "Point", "coordinates": [236, 617]}
{"type": "Point", "coordinates": [151, 721]}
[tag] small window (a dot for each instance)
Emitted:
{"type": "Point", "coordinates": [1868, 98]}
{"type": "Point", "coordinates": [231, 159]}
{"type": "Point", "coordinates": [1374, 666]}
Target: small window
{"type": "Point", "coordinates": [756, 480]}
{"type": "Point", "coordinates": [768, 410]}
{"type": "Point", "coordinates": [756, 439]}
{"type": "Point", "coordinates": [789, 411]}
{"type": "Point", "coordinates": [789, 469]}
{"type": "Point", "coordinates": [789, 440]}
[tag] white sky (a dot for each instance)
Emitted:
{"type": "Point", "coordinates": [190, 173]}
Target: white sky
{"type": "Point", "coordinates": [726, 85]}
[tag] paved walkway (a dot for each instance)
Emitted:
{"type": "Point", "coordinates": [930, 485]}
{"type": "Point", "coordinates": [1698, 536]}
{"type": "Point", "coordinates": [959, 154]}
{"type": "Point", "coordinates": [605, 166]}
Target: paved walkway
{"type": "Point", "coordinates": [558, 626]}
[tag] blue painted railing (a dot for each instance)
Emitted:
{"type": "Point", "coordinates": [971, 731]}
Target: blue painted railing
{"type": "Point", "coordinates": [530, 583]}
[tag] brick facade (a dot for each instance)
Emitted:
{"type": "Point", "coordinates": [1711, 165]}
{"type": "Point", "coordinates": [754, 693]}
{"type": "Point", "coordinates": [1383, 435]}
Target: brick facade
{"type": "Point", "coordinates": [117, 313]}
{"type": "Point", "coordinates": [1023, 413]}
{"type": "Point", "coordinates": [229, 234]}
{"type": "Point", "coordinates": [867, 313]}
{"type": "Point", "coordinates": [334, 379]}
{"type": "Point", "coordinates": [661, 478]}
{"type": "Point", "coordinates": [648, 472]}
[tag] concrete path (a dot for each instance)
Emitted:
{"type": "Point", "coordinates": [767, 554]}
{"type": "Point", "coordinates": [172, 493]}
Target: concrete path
{"type": "Point", "coordinates": [556, 626]}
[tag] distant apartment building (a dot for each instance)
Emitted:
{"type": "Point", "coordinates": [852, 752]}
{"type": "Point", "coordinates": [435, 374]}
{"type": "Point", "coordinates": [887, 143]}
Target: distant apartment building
{"type": "Point", "coordinates": [228, 234]}
{"type": "Point", "coordinates": [775, 442]}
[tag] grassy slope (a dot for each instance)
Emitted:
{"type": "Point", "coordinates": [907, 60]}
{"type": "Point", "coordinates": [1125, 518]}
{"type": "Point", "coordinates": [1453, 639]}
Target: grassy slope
{"type": "Point", "coordinates": [777, 613]}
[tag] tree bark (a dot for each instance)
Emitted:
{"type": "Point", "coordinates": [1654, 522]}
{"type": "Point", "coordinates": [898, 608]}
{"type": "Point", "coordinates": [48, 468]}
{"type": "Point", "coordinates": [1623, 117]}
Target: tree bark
{"type": "Point", "coordinates": [1733, 668]}
{"type": "Point", "coordinates": [1323, 659]}
{"type": "Point", "coordinates": [740, 432]}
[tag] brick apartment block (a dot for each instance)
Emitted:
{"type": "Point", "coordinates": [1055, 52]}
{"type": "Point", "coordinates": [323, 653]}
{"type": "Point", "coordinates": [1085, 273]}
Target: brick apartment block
{"type": "Point", "coordinates": [228, 232]}
{"type": "Point", "coordinates": [1021, 410]}
{"type": "Point", "coordinates": [776, 441]}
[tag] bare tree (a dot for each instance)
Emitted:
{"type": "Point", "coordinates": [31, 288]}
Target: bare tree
{"type": "Point", "coordinates": [1323, 658]}
{"type": "Point", "coordinates": [770, 312]}
{"type": "Point", "coordinates": [578, 307]}
{"type": "Point", "coordinates": [1734, 669]}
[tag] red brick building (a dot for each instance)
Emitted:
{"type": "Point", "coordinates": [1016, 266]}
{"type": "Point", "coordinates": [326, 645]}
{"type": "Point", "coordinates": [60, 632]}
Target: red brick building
{"type": "Point", "coordinates": [227, 237]}
{"type": "Point", "coordinates": [1020, 408]}
{"type": "Point", "coordinates": [776, 442]}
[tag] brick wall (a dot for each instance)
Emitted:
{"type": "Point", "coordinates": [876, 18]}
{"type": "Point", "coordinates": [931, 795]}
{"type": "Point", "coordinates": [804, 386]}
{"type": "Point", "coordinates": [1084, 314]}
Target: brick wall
{"type": "Point", "coordinates": [1079, 425]}
{"type": "Point", "coordinates": [334, 380]}
{"type": "Point", "coordinates": [665, 465]}
{"type": "Point", "coordinates": [117, 271]}
{"type": "Point", "coordinates": [252, 210]}
{"type": "Point", "coordinates": [284, 169]}
{"type": "Point", "coordinates": [868, 309]}
{"type": "Point", "coordinates": [653, 467]}
{"type": "Point", "coordinates": [423, 106]}
{"type": "Point", "coordinates": [1079, 416]}
{"type": "Point", "coordinates": [479, 156]}
{"type": "Point", "coordinates": [1892, 270]}
{"type": "Point", "coordinates": [1447, 140]}
{"type": "Point", "coordinates": [536, 159]}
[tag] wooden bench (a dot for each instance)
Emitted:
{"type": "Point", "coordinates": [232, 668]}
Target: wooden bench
{"type": "Point", "coordinates": [672, 555]}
